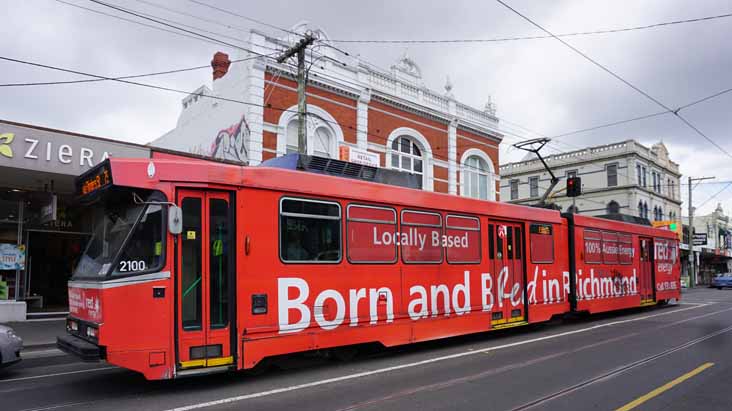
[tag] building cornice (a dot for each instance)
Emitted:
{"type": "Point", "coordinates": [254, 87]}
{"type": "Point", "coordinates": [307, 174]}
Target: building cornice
{"type": "Point", "coordinates": [536, 165]}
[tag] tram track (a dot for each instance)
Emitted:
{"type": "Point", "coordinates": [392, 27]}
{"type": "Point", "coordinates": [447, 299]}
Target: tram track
{"type": "Point", "coordinates": [618, 371]}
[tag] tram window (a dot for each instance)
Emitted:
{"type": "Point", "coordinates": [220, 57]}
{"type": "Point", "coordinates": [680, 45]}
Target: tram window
{"type": "Point", "coordinates": [517, 250]}
{"type": "Point", "coordinates": [419, 230]}
{"type": "Point", "coordinates": [143, 251]}
{"type": "Point", "coordinates": [310, 231]}
{"type": "Point", "coordinates": [463, 239]}
{"type": "Point", "coordinates": [625, 249]}
{"type": "Point", "coordinates": [219, 262]}
{"type": "Point", "coordinates": [370, 234]}
{"type": "Point", "coordinates": [191, 264]}
{"type": "Point", "coordinates": [541, 237]}
{"type": "Point", "coordinates": [509, 242]}
{"type": "Point", "coordinates": [593, 246]}
{"type": "Point", "coordinates": [500, 233]}
{"type": "Point", "coordinates": [610, 248]}
{"type": "Point", "coordinates": [491, 245]}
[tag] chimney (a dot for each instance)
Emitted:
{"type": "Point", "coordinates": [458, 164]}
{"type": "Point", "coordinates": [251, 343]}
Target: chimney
{"type": "Point", "coordinates": [220, 65]}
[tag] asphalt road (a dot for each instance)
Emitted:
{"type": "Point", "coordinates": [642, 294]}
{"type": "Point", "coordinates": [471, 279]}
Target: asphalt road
{"type": "Point", "coordinates": [677, 357]}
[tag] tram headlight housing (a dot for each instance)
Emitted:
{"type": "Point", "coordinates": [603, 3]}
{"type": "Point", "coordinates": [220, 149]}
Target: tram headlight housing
{"type": "Point", "coordinates": [72, 326]}
{"type": "Point", "coordinates": [92, 332]}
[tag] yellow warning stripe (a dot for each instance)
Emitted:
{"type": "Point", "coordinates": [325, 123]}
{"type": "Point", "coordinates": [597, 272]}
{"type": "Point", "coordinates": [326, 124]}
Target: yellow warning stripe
{"type": "Point", "coordinates": [509, 325]}
{"type": "Point", "coordinates": [211, 362]}
{"type": "Point", "coordinates": [660, 390]}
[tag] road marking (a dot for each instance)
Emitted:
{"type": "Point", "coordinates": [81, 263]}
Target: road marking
{"type": "Point", "coordinates": [417, 363]}
{"type": "Point", "coordinates": [619, 370]}
{"type": "Point", "coordinates": [57, 374]}
{"type": "Point", "coordinates": [660, 390]}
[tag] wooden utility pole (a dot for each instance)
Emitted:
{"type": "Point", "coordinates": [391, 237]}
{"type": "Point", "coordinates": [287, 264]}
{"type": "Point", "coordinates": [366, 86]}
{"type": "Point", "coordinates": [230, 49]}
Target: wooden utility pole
{"type": "Point", "coordinates": [299, 49]}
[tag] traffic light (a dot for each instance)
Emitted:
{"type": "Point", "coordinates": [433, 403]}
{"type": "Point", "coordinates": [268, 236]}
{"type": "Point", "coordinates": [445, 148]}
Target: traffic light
{"type": "Point", "coordinates": [574, 187]}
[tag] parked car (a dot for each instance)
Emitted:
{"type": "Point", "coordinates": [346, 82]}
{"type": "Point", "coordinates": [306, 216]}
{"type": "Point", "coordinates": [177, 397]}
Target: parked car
{"type": "Point", "coordinates": [10, 346]}
{"type": "Point", "coordinates": [722, 280]}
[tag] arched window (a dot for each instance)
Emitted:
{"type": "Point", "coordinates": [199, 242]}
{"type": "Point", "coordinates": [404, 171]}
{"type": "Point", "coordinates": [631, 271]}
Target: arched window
{"type": "Point", "coordinates": [320, 138]}
{"type": "Point", "coordinates": [613, 207]}
{"type": "Point", "coordinates": [323, 133]}
{"type": "Point", "coordinates": [406, 156]}
{"type": "Point", "coordinates": [477, 175]}
{"type": "Point", "coordinates": [640, 209]}
{"type": "Point", "coordinates": [408, 150]}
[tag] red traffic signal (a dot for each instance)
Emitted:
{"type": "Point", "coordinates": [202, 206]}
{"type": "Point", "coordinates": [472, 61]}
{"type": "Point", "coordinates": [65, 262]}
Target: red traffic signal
{"type": "Point", "coordinates": [574, 187]}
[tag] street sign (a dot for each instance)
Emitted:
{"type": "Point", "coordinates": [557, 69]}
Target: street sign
{"type": "Point", "coordinates": [700, 239]}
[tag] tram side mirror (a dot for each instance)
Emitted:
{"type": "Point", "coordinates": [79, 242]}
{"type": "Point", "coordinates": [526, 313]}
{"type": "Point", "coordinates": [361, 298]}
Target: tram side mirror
{"type": "Point", "coordinates": [175, 220]}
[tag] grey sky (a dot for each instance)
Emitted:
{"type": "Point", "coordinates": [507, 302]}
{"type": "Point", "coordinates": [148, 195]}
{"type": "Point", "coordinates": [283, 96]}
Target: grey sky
{"type": "Point", "coordinates": [537, 83]}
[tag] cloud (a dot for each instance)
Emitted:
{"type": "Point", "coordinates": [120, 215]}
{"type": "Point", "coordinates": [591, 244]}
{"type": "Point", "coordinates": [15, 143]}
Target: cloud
{"type": "Point", "coordinates": [539, 84]}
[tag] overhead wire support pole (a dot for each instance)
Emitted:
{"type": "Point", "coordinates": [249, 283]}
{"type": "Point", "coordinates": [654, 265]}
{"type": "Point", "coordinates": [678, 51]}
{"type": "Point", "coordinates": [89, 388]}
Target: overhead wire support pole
{"type": "Point", "coordinates": [692, 271]}
{"type": "Point", "coordinates": [302, 108]}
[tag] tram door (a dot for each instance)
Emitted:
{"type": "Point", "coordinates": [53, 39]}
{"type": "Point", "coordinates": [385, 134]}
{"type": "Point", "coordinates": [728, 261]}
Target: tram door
{"type": "Point", "coordinates": [203, 278]}
{"type": "Point", "coordinates": [645, 277]}
{"type": "Point", "coordinates": [506, 259]}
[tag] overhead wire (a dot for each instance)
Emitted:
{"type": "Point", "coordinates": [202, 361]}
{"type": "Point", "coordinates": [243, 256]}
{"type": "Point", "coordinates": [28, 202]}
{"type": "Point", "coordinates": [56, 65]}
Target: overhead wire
{"type": "Point", "coordinates": [155, 20]}
{"type": "Point", "coordinates": [618, 77]}
{"type": "Point", "coordinates": [517, 38]}
{"type": "Point", "coordinates": [136, 22]}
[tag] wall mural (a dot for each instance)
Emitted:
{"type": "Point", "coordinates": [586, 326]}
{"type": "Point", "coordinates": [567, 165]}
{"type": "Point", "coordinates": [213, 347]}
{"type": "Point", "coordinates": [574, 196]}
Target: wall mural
{"type": "Point", "coordinates": [229, 144]}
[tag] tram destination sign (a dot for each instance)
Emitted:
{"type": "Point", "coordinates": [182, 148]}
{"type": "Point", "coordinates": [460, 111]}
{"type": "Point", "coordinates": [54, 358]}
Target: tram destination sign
{"type": "Point", "coordinates": [94, 180]}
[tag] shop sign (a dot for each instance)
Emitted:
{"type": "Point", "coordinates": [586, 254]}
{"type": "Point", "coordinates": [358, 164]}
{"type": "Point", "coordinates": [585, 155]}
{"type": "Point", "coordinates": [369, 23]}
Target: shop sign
{"type": "Point", "coordinates": [56, 152]}
{"type": "Point", "coordinates": [49, 210]}
{"type": "Point", "coordinates": [700, 239]}
{"type": "Point", "coordinates": [358, 156]}
{"type": "Point", "coordinates": [12, 257]}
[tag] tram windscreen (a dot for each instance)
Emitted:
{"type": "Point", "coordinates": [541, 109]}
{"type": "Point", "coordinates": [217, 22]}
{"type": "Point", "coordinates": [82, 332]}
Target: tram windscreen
{"type": "Point", "coordinates": [127, 235]}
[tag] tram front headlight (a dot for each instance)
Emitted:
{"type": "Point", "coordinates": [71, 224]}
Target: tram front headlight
{"type": "Point", "coordinates": [72, 326]}
{"type": "Point", "coordinates": [91, 332]}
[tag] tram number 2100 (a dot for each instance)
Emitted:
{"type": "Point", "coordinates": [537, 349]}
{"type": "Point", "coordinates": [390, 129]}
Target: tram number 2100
{"type": "Point", "coordinates": [132, 266]}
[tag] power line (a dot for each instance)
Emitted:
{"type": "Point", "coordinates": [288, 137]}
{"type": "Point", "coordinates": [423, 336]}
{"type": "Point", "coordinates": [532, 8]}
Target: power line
{"type": "Point", "coordinates": [504, 39]}
{"type": "Point", "coordinates": [136, 22]}
{"type": "Point", "coordinates": [715, 195]}
{"type": "Point", "coordinates": [92, 80]}
{"type": "Point", "coordinates": [169, 89]}
{"type": "Point", "coordinates": [171, 25]}
{"type": "Point", "coordinates": [253, 20]}
{"type": "Point", "coordinates": [618, 77]}
{"type": "Point", "coordinates": [182, 13]}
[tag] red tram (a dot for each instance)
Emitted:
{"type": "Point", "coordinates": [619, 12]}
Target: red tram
{"type": "Point", "coordinates": [197, 266]}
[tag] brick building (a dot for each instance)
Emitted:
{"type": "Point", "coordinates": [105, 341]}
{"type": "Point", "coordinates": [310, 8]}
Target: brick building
{"type": "Point", "coordinates": [388, 117]}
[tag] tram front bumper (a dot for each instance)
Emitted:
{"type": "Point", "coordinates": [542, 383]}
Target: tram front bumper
{"type": "Point", "coordinates": [83, 349]}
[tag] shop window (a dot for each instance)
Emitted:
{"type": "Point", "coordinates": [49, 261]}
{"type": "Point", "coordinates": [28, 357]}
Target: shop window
{"type": "Point", "coordinates": [462, 235]}
{"type": "Point", "coordinates": [593, 247]}
{"type": "Point", "coordinates": [418, 229]}
{"type": "Point", "coordinates": [541, 237]}
{"type": "Point", "coordinates": [371, 234]}
{"type": "Point", "coordinates": [310, 231]}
